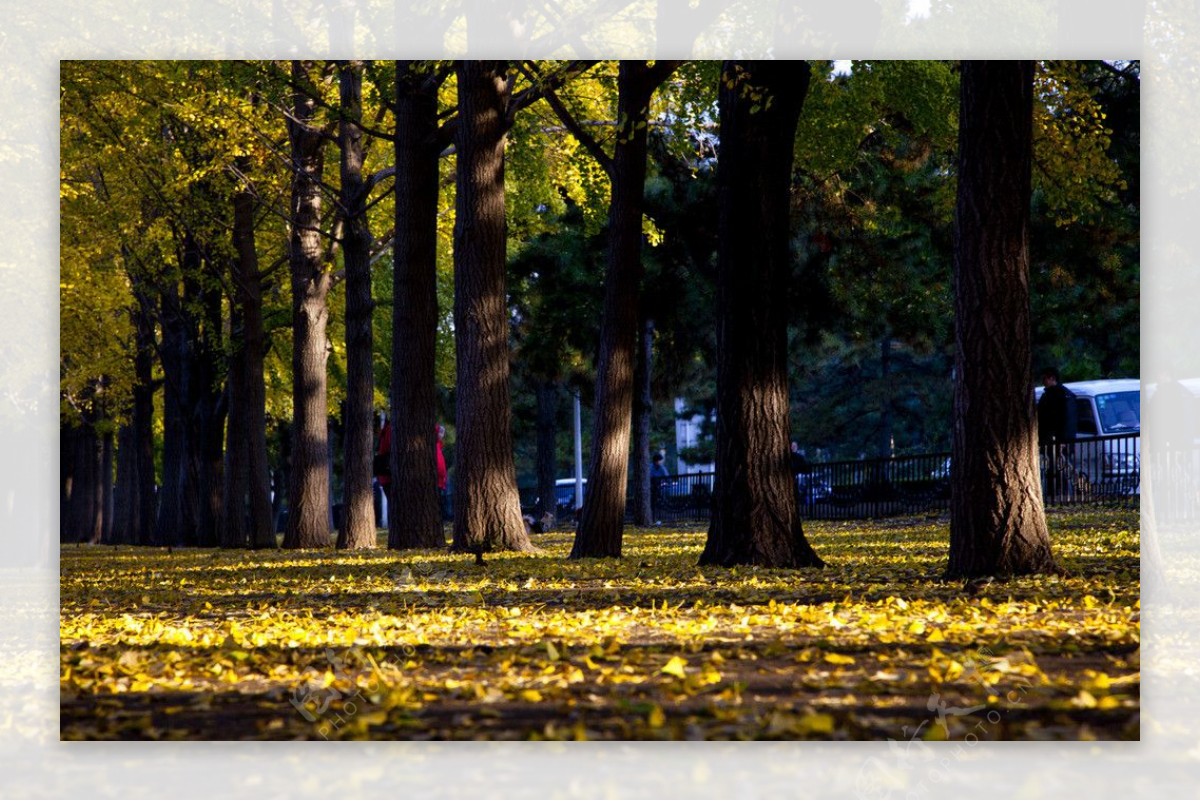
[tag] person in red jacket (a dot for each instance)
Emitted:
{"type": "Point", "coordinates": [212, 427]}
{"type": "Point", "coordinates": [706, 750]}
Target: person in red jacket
{"type": "Point", "coordinates": [443, 496]}
{"type": "Point", "coordinates": [383, 469]}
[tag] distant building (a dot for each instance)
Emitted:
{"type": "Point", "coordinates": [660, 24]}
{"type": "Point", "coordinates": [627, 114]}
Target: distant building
{"type": "Point", "coordinates": [688, 434]}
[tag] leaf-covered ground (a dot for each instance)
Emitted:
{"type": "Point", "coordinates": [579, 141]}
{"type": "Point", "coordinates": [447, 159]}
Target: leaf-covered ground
{"type": "Point", "coordinates": [205, 644]}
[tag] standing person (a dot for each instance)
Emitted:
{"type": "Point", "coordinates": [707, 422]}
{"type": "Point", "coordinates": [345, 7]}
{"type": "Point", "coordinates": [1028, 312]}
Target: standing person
{"type": "Point", "coordinates": [443, 495]}
{"type": "Point", "coordinates": [382, 468]}
{"type": "Point", "coordinates": [1057, 420]}
{"type": "Point", "coordinates": [799, 463]}
{"type": "Point", "coordinates": [658, 472]}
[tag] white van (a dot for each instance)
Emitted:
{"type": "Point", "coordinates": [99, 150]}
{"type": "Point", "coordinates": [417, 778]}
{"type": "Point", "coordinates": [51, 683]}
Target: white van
{"type": "Point", "coordinates": [1107, 449]}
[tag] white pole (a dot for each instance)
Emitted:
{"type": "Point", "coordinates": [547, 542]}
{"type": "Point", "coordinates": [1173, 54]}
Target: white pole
{"type": "Point", "coordinates": [578, 455]}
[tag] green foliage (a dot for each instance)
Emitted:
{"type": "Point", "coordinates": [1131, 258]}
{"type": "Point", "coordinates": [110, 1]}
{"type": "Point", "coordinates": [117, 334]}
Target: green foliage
{"type": "Point", "coordinates": [881, 99]}
{"type": "Point", "coordinates": [317, 645]}
{"type": "Point", "coordinates": [1086, 257]}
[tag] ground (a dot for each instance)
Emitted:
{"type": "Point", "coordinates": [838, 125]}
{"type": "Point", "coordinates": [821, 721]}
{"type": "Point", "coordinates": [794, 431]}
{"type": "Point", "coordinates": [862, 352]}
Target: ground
{"type": "Point", "coordinates": [209, 644]}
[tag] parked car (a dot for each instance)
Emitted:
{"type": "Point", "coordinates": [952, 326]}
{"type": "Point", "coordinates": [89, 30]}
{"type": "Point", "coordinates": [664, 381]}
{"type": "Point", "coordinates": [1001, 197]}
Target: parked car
{"type": "Point", "coordinates": [564, 497]}
{"type": "Point", "coordinates": [1106, 455]}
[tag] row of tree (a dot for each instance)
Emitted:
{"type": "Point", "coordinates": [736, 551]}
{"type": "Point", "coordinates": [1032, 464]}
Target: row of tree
{"type": "Point", "coordinates": [189, 188]}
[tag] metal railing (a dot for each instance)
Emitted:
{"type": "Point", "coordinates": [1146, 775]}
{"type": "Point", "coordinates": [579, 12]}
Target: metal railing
{"type": "Point", "coordinates": [1088, 471]}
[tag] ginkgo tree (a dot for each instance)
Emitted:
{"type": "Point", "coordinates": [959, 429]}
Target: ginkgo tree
{"type": "Point", "coordinates": [179, 224]}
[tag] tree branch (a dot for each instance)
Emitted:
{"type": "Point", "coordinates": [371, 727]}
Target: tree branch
{"type": "Point", "coordinates": [581, 135]}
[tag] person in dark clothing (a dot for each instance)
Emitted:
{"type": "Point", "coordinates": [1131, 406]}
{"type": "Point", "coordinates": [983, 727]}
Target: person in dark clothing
{"type": "Point", "coordinates": [658, 473]}
{"type": "Point", "coordinates": [1056, 411]}
{"type": "Point", "coordinates": [799, 463]}
{"type": "Point", "coordinates": [1056, 419]}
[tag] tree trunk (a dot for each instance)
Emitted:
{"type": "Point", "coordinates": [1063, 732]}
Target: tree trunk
{"type": "Point", "coordinates": [205, 400]}
{"type": "Point", "coordinates": [251, 400]}
{"type": "Point", "coordinates": [413, 486]}
{"type": "Point", "coordinates": [234, 533]}
{"type": "Point", "coordinates": [755, 517]}
{"type": "Point", "coordinates": [358, 517]}
{"type": "Point", "coordinates": [67, 470]}
{"type": "Point", "coordinates": [124, 516]}
{"type": "Point", "coordinates": [487, 508]}
{"type": "Point", "coordinates": [233, 529]}
{"type": "Point", "coordinates": [175, 516]}
{"type": "Point", "coordinates": [143, 422]}
{"type": "Point", "coordinates": [308, 496]}
{"type": "Point", "coordinates": [643, 406]}
{"type": "Point", "coordinates": [997, 523]}
{"type": "Point", "coordinates": [886, 417]}
{"type": "Point", "coordinates": [107, 501]}
{"type": "Point", "coordinates": [84, 521]}
{"type": "Point", "coordinates": [602, 518]}
{"type": "Point", "coordinates": [547, 449]}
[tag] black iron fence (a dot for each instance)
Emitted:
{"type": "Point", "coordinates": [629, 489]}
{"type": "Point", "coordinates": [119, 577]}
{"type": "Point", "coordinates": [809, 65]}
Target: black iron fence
{"type": "Point", "coordinates": [1088, 471]}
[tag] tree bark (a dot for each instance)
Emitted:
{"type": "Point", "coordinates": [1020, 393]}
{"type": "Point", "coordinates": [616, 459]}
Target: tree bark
{"type": "Point", "coordinates": [487, 508]}
{"type": "Point", "coordinates": [84, 519]}
{"type": "Point", "coordinates": [107, 502]}
{"type": "Point", "coordinates": [143, 422]}
{"type": "Point", "coordinates": [124, 517]}
{"type": "Point", "coordinates": [175, 523]}
{"type": "Point", "coordinates": [133, 502]}
{"type": "Point", "coordinates": [643, 406]}
{"type": "Point", "coordinates": [358, 521]}
{"type": "Point", "coordinates": [206, 402]}
{"type": "Point", "coordinates": [234, 533]}
{"type": "Point", "coordinates": [67, 470]}
{"type": "Point", "coordinates": [413, 486]}
{"type": "Point", "coordinates": [755, 518]}
{"type": "Point", "coordinates": [602, 518]}
{"type": "Point", "coordinates": [308, 496]}
{"type": "Point", "coordinates": [248, 514]}
{"type": "Point", "coordinates": [997, 523]}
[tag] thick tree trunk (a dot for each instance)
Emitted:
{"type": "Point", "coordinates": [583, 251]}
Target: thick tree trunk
{"type": "Point", "coordinates": [755, 517]}
{"type": "Point", "coordinates": [997, 523]}
{"type": "Point", "coordinates": [602, 518]}
{"type": "Point", "coordinates": [308, 496]}
{"type": "Point", "coordinates": [237, 473]}
{"type": "Point", "coordinates": [643, 406]}
{"type": "Point", "coordinates": [487, 508]}
{"type": "Point", "coordinates": [547, 449]}
{"type": "Point", "coordinates": [205, 400]}
{"type": "Point", "coordinates": [211, 471]}
{"type": "Point", "coordinates": [84, 520]}
{"type": "Point", "coordinates": [250, 395]}
{"type": "Point", "coordinates": [175, 523]}
{"type": "Point", "coordinates": [413, 487]}
{"type": "Point", "coordinates": [125, 505]}
{"type": "Point", "coordinates": [358, 519]}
